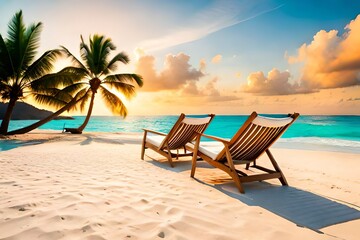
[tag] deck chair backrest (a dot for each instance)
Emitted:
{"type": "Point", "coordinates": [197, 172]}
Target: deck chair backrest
{"type": "Point", "coordinates": [184, 131]}
{"type": "Point", "coordinates": [257, 134]}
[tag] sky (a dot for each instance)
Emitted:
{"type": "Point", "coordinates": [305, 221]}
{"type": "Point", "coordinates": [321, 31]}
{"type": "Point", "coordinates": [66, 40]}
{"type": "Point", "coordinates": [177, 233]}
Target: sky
{"type": "Point", "coordinates": [216, 56]}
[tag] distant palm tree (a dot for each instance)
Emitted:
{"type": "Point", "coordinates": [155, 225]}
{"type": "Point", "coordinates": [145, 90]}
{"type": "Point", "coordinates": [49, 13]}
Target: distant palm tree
{"type": "Point", "coordinates": [98, 71]}
{"type": "Point", "coordinates": [18, 70]}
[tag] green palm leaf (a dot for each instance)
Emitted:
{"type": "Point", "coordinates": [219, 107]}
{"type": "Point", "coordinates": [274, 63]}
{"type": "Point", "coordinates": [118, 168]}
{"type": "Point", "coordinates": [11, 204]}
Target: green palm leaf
{"type": "Point", "coordinates": [6, 66]}
{"type": "Point", "coordinates": [86, 95]}
{"type": "Point", "coordinates": [65, 77]}
{"type": "Point", "coordinates": [80, 95]}
{"type": "Point", "coordinates": [22, 43]}
{"type": "Point", "coordinates": [121, 57]}
{"type": "Point", "coordinates": [48, 100]}
{"type": "Point", "coordinates": [125, 78]}
{"type": "Point", "coordinates": [62, 94]}
{"type": "Point", "coordinates": [5, 90]}
{"type": "Point", "coordinates": [41, 66]}
{"type": "Point", "coordinates": [74, 60]}
{"type": "Point", "coordinates": [15, 40]}
{"type": "Point", "coordinates": [95, 55]}
{"type": "Point", "coordinates": [127, 89]}
{"type": "Point", "coordinates": [86, 55]}
{"type": "Point", "coordinates": [75, 88]}
{"type": "Point", "coordinates": [113, 102]}
{"type": "Point", "coordinates": [31, 44]}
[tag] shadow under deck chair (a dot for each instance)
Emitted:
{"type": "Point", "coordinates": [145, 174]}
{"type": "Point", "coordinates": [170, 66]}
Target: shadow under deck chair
{"type": "Point", "coordinates": [184, 130]}
{"type": "Point", "coordinates": [254, 138]}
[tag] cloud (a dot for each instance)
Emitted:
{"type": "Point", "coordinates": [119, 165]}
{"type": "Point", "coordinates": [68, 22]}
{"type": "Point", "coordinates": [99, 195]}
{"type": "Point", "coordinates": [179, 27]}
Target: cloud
{"type": "Point", "coordinates": [216, 59]}
{"type": "Point", "coordinates": [179, 78]}
{"type": "Point", "coordinates": [190, 89]}
{"type": "Point", "coordinates": [329, 61]}
{"type": "Point", "coordinates": [275, 83]}
{"type": "Point", "coordinates": [218, 16]}
{"type": "Point", "coordinates": [202, 65]}
{"type": "Point", "coordinates": [176, 73]}
{"type": "Point", "coordinates": [209, 91]}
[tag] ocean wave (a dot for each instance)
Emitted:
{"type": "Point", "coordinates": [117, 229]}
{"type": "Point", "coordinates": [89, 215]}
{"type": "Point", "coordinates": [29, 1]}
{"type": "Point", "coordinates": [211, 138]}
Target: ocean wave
{"type": "Point", "coordinates": [322, 141]}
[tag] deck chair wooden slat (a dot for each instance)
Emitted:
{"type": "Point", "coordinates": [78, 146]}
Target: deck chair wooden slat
{"type": "Point", "coordinates": [252, 140]}
{"type": "Point", "coordinates": [185, 130]}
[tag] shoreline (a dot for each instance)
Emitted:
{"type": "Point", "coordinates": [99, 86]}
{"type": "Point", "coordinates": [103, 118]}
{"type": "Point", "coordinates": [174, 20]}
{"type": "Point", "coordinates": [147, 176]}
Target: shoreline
{"type": "Point", "coordinates": [94, 186]}
{"type": "Point", "coordinates": [282, 143]}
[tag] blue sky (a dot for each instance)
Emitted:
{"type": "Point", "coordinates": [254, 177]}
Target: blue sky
{"type": "Point", "coordinates": [210, 50]}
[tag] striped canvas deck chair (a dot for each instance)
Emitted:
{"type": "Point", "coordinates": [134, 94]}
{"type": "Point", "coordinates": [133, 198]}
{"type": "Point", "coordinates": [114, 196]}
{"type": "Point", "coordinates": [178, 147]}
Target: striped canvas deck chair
{"type": "Point", "coordinates": [253, 139]}
{"type": "Point", "coordinates": [184, 130]}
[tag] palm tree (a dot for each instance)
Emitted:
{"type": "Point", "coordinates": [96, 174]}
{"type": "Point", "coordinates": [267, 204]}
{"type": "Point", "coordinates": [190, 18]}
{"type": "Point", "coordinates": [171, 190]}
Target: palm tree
{"type": "Point", "coordinates": [99, 74]}
{"type": "Point", "coordinates": [18, 69]}
{"type": "Point", "coordinates": [46, 92]}
{"type": "Point", "coordinates": [54, 97]}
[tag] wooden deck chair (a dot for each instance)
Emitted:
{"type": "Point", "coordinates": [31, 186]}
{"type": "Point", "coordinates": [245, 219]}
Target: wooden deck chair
{"type": "Point", "coordinates": [184, 130]}
{"type": "Point", "coordinates": [253, 139]}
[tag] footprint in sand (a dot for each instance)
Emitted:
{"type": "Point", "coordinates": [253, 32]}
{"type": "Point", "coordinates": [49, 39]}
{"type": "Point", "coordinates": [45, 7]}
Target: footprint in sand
{"type": "Point", "coordinates": [161, 234]}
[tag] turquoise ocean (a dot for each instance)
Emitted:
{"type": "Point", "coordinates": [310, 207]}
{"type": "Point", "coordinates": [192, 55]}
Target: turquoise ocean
{"type": "Point", "coordinates": [329, 133]}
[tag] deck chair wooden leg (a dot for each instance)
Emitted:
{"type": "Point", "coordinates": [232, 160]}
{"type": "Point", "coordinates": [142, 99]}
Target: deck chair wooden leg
{"type": "Point", "coordinates": [143, 146]}
{"type": "Point", "coordinates": [233, 172]}
{"type": "Point", "coordinates": [169, 157]}
{"type": "Point", "coordinates": [193, 166]}
{"type": "Point", "coordinates": [277, 168]}
{"type": "Point", "coordinates": [194, 158]}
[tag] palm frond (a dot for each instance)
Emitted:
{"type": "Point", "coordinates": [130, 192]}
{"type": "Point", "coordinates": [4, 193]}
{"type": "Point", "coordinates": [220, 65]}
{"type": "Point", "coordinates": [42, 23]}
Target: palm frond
{"type": "Point", "coordinates": [52, 97]}
{"type": "Point", "coordinates": [113, 102]}
{"type": "Point", "coordinates": [126, 89]}
{"type": "Point", "coordinates": [125, 78]}
{"type": "Point", "coordinates": [86, 55]}
{"type": "Point", "coordinates": [76, 62]}
{"type": "Point", "coordinates": [96, 53]}
{"type": "Point", "coordinates": [5, 90]}
{"type": "Point", "coordinates": [65, 77]}
{"type": "Point", "coordinates": [31, 44]}
{"type": "Point", "coordinates": [75, 88]}
{"type": "Point", "coordinates": [22, 43]}
{"type": "Point", "coordinates": [15, 39]}
{"type": "Point", "coordinates": [6, 66]}
{"type": "Point", "coordinates": [42, 66]}
{"type": "Point", "coordinates": [80, 95]}
{"type": "Point", "coordinates": [86, 95]}
{"type": "Point", "coordinates": [61, 94]}
{"type": "Point", "coordinates": [120, 57]}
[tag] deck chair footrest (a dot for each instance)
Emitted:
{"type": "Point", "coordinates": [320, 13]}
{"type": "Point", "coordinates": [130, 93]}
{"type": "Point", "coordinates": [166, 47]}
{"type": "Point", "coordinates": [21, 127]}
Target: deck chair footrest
{"type": "Point", "coordinates": [263, 169]}
{"type": "Point", "coordinates": [260, 177]}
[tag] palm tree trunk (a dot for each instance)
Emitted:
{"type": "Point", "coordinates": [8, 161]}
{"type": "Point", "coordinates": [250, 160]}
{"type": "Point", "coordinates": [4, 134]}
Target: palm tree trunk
{"type": "Point", "coordinates": [45, 120]}
{"type": "Point", "coordinates": [6, 120]}
{"type": "Point", "coordinates": [82, 127]}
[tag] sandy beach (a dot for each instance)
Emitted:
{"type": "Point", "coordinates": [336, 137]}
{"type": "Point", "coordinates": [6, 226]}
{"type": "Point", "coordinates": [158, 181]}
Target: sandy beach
{"type": "Point", "coordinates": [95, 186]}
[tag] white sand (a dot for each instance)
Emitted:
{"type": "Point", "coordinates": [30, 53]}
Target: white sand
{"type": "Point", "coordinates": [94, 186]}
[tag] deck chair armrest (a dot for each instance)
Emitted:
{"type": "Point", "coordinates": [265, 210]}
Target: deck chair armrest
{"type": "Point", "coordinates": [155, 132]}
{"type": "Point", "coordinates": [224, 141]}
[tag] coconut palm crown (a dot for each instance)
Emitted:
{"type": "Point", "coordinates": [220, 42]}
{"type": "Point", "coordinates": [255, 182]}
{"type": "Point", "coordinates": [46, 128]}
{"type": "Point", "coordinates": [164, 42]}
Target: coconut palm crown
{"type": "Point", "coordinates": [98, 70]}
{"type": "Point", "coordinates": [18, 67]}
